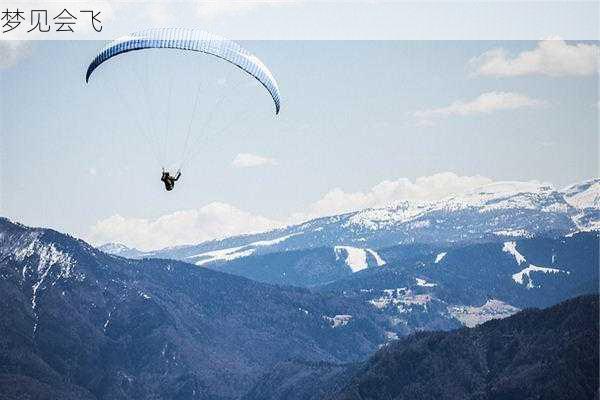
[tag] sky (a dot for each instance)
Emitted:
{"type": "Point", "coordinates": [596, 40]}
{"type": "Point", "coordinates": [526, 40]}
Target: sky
{"type": "Point", "coordinates": [363, 124]}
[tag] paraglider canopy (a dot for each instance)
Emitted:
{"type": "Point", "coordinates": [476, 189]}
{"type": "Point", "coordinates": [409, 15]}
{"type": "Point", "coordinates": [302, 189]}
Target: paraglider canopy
{"type": "Point", "coordinates": [191, 40]}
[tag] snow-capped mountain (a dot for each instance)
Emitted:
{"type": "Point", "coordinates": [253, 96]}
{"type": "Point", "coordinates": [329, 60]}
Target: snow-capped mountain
{"type": "Point", "coordinates": [119, 249]}
{"type": "Point", "coordinates": [499, 210]}
{"type": "Point", "coordinates": [585, 198]}
{"type": "Point", "coordinates": [93, 325]}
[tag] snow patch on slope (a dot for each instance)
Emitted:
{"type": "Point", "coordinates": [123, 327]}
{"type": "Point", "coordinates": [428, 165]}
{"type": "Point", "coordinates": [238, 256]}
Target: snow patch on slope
{"type": "Point", "coordinates": [513, 233]}
{"type": "Point", "coordinates": [584, 195]}
{"type": "Point", "coordinates": [380, 261]}
{"type": "Point", "coordinates": [356, 258]}
{"type": "Point", "coordinates": [233, 253]}
{"type": "Point", "coordinates": [511, 247]}
{"type": "Point", "coordinates": [519, 277]}
{"type": "Point", "coordinates": [273, 241]}
{"type": "Point", "coordinates": [338, 320]}
{"type": "Point", "coordinates": [223, 255]}
{"type": "Point", "coordinates": [439, 257]}
{"type": "Point", "coordinates": [424, 283]}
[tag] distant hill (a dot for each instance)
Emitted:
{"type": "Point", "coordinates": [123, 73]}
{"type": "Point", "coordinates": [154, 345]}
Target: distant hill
{"type": "Point", "coordinates": [426, 286]}
{"type": "Point", "coordinates": [535, 354]}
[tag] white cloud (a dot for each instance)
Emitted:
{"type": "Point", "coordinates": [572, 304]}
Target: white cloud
{"type": "Point", "coordinates": [13, 51]}
{"type": "Point", "coordinates": [215, 220]}
{"type": "Point", "coordinates": [485, 103]}
{"type": "Point", "coordinates": [426, 188]}
{"type": "Point", "coordinates": [551, 57]}
{"type": "Point", "coordinates": [247, 160]}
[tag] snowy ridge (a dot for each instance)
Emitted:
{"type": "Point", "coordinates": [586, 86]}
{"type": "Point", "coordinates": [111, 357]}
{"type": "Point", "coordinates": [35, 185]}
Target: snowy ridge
{"type": "Point", "coordinates": [583, 195]}
{"type": "Point", "coordinates": [114, 248]}
{"type": "Point", "coordinates": [236, 252]}
{"type": "Point", "coordinates": [494, 197]}
{"type": "Point", "coordinates": [378, 218]}
{"type": "Point", "coordinates": [273, 241]}
{"type": "Point", "coordinates": [500, 195]}
{"type": "Point", "coordinates": [44, 264]}
{"type": "Point", "coordinates": [223, 255]}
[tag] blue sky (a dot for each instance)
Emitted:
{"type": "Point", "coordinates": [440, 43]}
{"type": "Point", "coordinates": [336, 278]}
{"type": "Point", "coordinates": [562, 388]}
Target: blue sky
{"type": "Point", "coordinates": [355, 114]}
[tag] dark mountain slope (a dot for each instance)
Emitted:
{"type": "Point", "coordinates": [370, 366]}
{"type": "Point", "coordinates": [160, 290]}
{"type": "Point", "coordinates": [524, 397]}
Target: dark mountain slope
{"type": "Point", "coordinates": [301, 380]}
{"type": "Point", "coordinates": [78, 323]}
{"type": "Point", "coordinates": [536, 354]}
{"type": "Point", "coordinates": [309, 267]}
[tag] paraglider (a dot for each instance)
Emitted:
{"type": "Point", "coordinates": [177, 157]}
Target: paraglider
{"type": "Point", "coordinates": [169, 180]}
{"type": "Point", "coordinates": [183, 40]}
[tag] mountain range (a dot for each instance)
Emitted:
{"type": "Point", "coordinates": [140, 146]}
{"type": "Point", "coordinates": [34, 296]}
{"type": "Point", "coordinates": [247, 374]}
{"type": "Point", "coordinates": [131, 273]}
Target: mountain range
{"type": "Point", "coordinates": [460, 261]}
{"type": "Point", "coordinates": [295, 312]}
{"type": "Point", "coordinates": [494, 212]}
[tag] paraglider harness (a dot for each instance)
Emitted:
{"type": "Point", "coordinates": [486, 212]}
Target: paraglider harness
{"type": "Point", "coordinates": [168, 180]}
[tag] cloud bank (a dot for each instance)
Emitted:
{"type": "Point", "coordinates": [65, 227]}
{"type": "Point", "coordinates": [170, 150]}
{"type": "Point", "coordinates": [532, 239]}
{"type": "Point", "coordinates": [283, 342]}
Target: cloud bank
{"type": "Point", "coordinates": [215, 220]}
{"type": "Point", "coordinates": [218, 220]}
{"type": "Point", "coordinates": [551, 57]}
